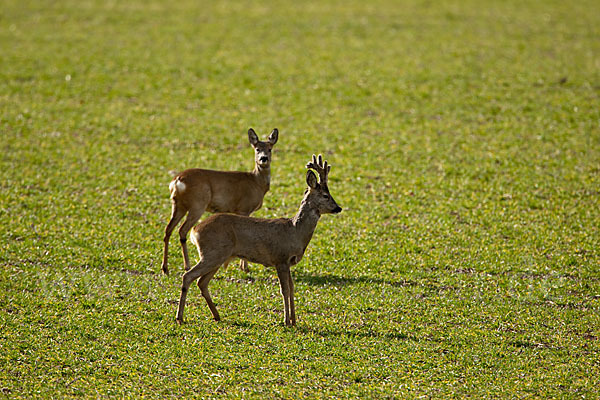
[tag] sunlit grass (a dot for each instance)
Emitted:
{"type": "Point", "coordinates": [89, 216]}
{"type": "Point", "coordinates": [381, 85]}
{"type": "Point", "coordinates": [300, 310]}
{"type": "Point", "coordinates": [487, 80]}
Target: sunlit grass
{"type": "Point", "coordinates": [464, 139]}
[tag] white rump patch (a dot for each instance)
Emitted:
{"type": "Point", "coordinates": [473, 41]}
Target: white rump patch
{"type": "Point", "coordinates": [193, 238]}
{"type": "Point", "coordinates": [177, 186]}
{"type": "Point", "coordinates": [194, 241]}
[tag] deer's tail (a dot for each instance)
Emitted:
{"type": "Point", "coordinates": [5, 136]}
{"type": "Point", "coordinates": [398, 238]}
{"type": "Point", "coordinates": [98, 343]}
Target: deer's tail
{"type": "Point", "coordinates": [177, 186]}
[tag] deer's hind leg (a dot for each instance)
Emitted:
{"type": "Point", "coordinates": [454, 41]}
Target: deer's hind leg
{"type": "Point", "coordinates": [202, 269]}
{"type": "Point", "coordinates": [193, 216]}
{"type": "Point", "coordinates": [203, 286]}
{"type": "Point", "coordinates": [211, 260]}
{"type": "Point", "coordinates": [177, 213]}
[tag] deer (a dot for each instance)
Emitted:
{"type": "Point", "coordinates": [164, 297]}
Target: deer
{"type": "Point", "coordinates": [278, 243]}
{"type": "Point", "coordinates": [197, 190]}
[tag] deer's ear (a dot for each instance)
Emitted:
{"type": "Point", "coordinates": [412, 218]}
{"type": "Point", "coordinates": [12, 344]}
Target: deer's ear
{"type": "Point", "coordinates": [273, 136]}
{"type": "Point", "coordinates": [252, 137]}
{"type": "Point", "coordinates": [311, 179]}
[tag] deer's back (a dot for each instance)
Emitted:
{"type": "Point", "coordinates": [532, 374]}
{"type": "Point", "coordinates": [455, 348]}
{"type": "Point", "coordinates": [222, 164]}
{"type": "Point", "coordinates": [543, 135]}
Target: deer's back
{"type": "Point", "coordinates": [222, 191]}
{"type": "Point", "coordinates": [264, 241]}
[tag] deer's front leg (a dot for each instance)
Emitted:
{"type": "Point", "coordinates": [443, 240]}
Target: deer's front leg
{"type": "Point", "coordinates": [243, 262]}
{"type": "Point", "coordinates": [292, 305]}
{"type": "Point", "coordinates": [283, 273]}
{"type": "Point", "coordinates": [244, 265]}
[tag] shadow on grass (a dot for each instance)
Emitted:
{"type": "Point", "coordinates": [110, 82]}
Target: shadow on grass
{"type": "Point", "coordinates": [336, 280]}
{"type": "Point", "coordinates": [332, 280]}
{"type": "Point", "coordinates": [355, 333]}
{"type": "Point", "coordinates": [349, 332]}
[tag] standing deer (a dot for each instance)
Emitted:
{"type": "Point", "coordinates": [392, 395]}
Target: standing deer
{"type": "Point", "coordinates": [196, 190]}
{"type": "Point", "coordinates": [279, 243]}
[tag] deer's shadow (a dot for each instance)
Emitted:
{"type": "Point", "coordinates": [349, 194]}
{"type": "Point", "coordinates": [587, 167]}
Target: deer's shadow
{"type": "Point", "coordinates": [333, 332]}
{"type": "Point", "coordinates": [336, 280]}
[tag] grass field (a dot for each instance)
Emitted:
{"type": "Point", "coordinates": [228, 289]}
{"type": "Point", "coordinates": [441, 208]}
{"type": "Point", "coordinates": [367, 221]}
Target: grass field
{"type": "Point", "coordinates": [465, 144]}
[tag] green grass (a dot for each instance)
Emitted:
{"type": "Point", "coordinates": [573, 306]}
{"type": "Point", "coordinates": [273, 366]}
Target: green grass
{"type": "Point", "coordinates": [465, 144]}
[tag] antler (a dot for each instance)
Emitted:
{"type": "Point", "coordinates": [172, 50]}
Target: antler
{"type": "Point", "coordinates": [321, 167]}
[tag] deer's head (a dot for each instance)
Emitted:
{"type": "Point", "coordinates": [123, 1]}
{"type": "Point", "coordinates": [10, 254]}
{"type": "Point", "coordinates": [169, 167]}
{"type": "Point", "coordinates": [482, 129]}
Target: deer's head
{"type": "Point", "coordinates": [262, 150]}
{"type": "Point", "coordinates": [318, 192]}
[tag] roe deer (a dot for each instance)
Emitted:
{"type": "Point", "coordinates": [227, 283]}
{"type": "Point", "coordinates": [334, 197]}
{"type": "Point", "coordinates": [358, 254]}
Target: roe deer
{"type": "Point", "coordinates": [279, 243]}
{"type": "Point", "coordinates": [196, 190]}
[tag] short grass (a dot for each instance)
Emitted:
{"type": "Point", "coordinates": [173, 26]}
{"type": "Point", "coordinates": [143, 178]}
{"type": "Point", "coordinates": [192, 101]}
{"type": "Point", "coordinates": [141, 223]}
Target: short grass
{"type": "Point", "coordinates": [465, 143]}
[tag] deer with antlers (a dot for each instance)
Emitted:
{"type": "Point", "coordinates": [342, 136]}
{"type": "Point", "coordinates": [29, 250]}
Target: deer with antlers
{"type": "Point", "coordinates": [279, 243]}
{"type": "Point", "coordinates": [196, 190]}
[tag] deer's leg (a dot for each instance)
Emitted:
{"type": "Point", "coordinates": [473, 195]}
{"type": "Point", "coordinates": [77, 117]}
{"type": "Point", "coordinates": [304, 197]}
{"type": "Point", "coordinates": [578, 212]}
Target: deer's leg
{"type": "Point", "coordinates": [177, 214]}
{"type": "Point", "coordinates": [193, 216]}
{"type": "Point", "coordinates": [244, 263]}
{"type": "Point", "coordinates": [203, 286]}
{"type": "Point", "coordinates": [284, 283]}
{"type": "Point", "coordinates": [292, 305]}
{"type": "Point", "coordinates": [202, 268]}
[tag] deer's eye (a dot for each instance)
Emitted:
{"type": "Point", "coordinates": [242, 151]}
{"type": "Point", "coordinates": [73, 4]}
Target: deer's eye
{"type": "Point", "coordinates": [325, 196]}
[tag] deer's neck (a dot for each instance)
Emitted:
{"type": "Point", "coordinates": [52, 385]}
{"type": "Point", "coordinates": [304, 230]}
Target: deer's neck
{"type": "Point", "coordinates": [305, 221]}
{"type": "Point", "coordinates": [263, 176]}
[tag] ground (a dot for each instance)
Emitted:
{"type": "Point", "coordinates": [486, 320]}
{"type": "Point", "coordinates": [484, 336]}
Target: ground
{"type": "Point", "coordinates": [465, 143]}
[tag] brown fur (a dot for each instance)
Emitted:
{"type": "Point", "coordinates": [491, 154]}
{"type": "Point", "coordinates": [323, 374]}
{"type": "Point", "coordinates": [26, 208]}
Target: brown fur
{"type": "Point", "coordinates": [278, 243]}
{"type": "Point", "coordinates": [218, 191]}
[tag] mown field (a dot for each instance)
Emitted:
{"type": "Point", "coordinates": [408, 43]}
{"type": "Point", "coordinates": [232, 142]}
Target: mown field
{"type": "Point", "coordinates": [465, 143]}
